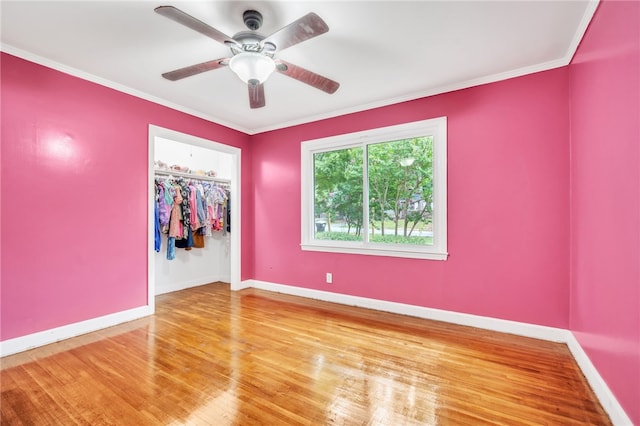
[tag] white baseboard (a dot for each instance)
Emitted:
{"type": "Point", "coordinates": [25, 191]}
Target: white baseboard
{"type": "Point", "coordinates": [559, 335]}
{"type": "Point", "coordinates": [45, 337]}
{"type": "Point", "coordinates": [244, 284]}
{"type": "Point", "coordinates": [608, 401]}
{"type": "Point", "coordinates": [504, 326]}
{"type": "Point", "coordinates": [182, 285]}
{"type": "Point", "coordinates": [41, 338]}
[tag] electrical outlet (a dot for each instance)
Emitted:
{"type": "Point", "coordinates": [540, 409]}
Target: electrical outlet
{"type": "Point", "coordinates": [329, 277]}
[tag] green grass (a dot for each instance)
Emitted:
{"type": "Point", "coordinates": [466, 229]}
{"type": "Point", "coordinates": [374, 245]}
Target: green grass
{"type": "Point", "coordinates": [392, 239]}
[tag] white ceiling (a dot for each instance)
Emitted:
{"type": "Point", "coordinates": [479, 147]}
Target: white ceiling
{"type": "Point", "coordinates": [381, 52]}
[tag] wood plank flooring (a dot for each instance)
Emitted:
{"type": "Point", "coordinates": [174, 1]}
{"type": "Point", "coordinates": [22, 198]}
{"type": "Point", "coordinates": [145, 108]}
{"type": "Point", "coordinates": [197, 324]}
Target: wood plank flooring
{"type": "Point", "coordinates": [215, 357]}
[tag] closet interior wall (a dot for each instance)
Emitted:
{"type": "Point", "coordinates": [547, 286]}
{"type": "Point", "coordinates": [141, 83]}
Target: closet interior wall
{"type": "Point", "coordinates": [199, 265]}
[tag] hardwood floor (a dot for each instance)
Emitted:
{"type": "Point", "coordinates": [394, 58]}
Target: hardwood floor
{"type": "Point", "coordinates": [215, 357]}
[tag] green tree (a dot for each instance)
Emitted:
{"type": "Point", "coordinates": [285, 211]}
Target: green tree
{"type": "Point", "coordinates": [338, 186]}
{"type": "Point", "coordinates": [400, 186]}
{"type": "Point", "coordinates": [400, 182]}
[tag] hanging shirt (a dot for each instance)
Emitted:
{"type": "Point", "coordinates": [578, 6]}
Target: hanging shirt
{"type": "Point", "coordinates": [210, 208]}
{"type": "Point", "coordinates": [166, 204]}
{"type": "Point", "coordinates": [193, 206]}
{"type": "Point", "coordinates": [175, 222]}
{"type": "Point", "coordinates": [164, 210]}
{"type": "Point", "coordinates": [200, 206]}
{"type": "Point", "coordinates": [186, 209]}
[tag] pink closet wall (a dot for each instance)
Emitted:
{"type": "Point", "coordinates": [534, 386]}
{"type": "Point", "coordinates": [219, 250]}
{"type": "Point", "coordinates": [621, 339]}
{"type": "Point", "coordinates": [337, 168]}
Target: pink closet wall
{"type": "Point", "coordinates": [605, 198]}
{"type": "Point", "coordinates": [508, 216]}
{"type": "Point", "coordinates": [74, 196]}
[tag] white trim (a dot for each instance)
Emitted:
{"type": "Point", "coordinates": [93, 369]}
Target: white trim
{"type": "Point", "coordinates": [557, 63]}
{"type": "Point", "coordinates": [41, 338]}
{"type": "Point", "coordinates": [532, 69]}
{"type": "Point", "coordinates": [546, 66]}
{"type": "Point", "coordinates": [183, 285]}
{"type": "Point", "coordinates": [151, 270]}
{"type": "Point", "coordinates": [434, 127]}
{"type": "Point", "coordinates": [608, 401]}
{"type": "Point", "coordinates": [32, 57]}
{"type": "Point", "coordinates": [23, 343]}
{"type": "Point", "coordinates": [504, 326]}
{"type": "Point", "coordinates": [590, 10]}
{"type": "Point", "coordinates": [235, 185]}
{"type": "Point", "coordinates": [592, 6]}
{"type": "Point", "coordinates": [245, 284]}
{"type": "Point", "coordinates": [398, 251]}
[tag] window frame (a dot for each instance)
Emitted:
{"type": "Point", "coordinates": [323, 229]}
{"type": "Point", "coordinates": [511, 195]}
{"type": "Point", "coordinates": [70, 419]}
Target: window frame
{"type": "Point", "coordinates": [436, 127]}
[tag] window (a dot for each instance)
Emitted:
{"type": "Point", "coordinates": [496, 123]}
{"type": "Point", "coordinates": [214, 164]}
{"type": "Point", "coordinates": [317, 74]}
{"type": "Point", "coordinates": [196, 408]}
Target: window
{"type": "Point", "coordinates": [379, 192]}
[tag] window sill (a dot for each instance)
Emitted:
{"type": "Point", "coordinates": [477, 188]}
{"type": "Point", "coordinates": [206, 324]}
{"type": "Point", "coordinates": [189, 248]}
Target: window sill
{"type": "Point", "coordinates": [376, 251]}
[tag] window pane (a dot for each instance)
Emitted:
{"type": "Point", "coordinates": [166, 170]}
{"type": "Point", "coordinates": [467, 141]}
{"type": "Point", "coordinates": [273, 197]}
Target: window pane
{"type": "Point", "coordinates": [378, 192]}
{"type": "Point", "coordinates": [338, 197]}
{"type": "Point", "coordinates": [401, 191]}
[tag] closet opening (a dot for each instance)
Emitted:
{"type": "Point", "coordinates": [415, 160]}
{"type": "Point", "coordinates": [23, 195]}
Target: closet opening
{"type": "Point", "coordinates": [192, 166]}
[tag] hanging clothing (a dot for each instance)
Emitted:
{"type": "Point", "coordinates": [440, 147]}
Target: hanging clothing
{"type": "Point", "coordinates": [171, 248]}
{"type": "Point", "coordinates": [200, 206]}
{"type": "Point", "coordinates": [188, 210]}
{"type": "Point", "coordinates": [228, 206]}
{"type": "Point", "coordinates": [164, 196]}
{"type": "Point", "coordinates": [157, 240]}
{"type": "Point", "coordinates": [193, 207]}
{"type": "Point", "coordinates": [186, 243]}
{"type": "Point", "coordinates": [186, 205]}
{"type": "Point", "coordinates": [175, 224]}
{"type": "Point", "coordinates": [198, 238]}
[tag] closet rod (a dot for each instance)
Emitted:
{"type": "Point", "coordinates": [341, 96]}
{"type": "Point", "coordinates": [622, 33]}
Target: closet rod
{"type": "Point", "coordinates": [191, 176]}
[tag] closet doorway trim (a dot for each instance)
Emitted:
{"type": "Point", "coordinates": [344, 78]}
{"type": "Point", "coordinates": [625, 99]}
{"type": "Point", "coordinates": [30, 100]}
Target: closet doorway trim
{"type": "Point", "coordinates": [160, 132]}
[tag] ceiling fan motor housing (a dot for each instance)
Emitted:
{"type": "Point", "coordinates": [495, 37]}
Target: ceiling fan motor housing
{"type": "Point", "coordinates": [252, 19]}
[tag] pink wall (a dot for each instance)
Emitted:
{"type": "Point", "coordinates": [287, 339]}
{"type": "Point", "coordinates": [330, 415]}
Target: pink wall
{"type": "Point", "coordinates": [605, 198]}
{"type": "Point", "coordinates": [508, 206]}
{"type": "Point", "coordinates": [74, 196]}
{"type": "Point", "coordinates": [529, 213]}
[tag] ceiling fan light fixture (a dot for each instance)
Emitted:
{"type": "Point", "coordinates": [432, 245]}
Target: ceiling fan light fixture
{"type": "Point", "coordinates": [252, 66]}
{"type": "Point", "coordinates": [252, 54]}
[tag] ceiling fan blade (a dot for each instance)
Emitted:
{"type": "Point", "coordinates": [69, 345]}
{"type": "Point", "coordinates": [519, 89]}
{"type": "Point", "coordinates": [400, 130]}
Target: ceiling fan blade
{"type": "Point", "coordinates": [309, 26]}
{"type": "Point", "coordinates": [256, 95]}
{"type": "Point", "coordinates": [312, 79]}
{"type": "Point", "coordinates": [180, 17]}
{"type": "Point", "coordinates": [195, 69]}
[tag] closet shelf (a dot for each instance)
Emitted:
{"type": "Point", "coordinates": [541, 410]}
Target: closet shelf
{"type": "Point", "coordinates": [190, 176]}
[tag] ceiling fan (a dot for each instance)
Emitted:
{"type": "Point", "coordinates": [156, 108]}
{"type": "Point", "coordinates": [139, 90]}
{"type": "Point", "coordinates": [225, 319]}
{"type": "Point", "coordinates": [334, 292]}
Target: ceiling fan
{"type": "Point", "coordinates": [253, 55]}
